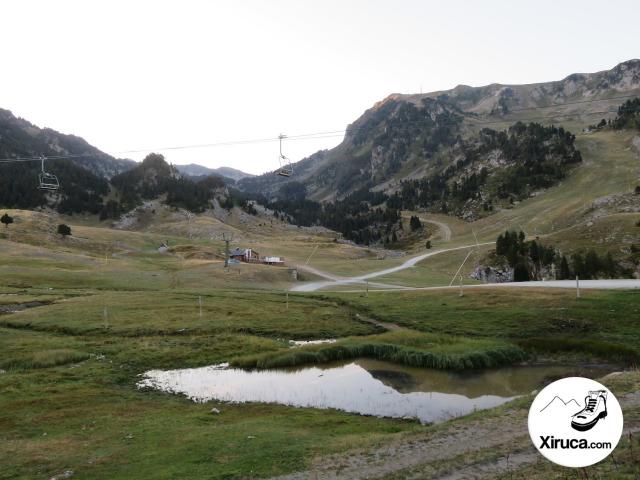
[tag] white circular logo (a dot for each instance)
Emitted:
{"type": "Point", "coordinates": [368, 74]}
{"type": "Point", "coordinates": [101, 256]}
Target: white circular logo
{"type": "Point", "coordinates": [575, 422]}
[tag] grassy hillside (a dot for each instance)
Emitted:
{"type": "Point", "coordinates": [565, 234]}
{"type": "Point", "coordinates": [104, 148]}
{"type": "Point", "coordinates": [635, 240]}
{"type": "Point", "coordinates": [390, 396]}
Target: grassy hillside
{"type": "Point", "coordinates": [561, 216]}
{"type": "Point", "coordinates": [609, 166]}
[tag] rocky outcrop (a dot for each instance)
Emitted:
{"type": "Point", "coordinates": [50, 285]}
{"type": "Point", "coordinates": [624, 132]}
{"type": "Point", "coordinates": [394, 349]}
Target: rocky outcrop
{"type": "Point", "coordinates": [488, 274]}
{"type": "Point", "coordinates": [610, 204]}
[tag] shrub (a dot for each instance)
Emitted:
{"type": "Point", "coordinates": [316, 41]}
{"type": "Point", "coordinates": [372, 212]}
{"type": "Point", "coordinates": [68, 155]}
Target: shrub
{"type": "Point", "coordinates": [6, 219]}
{"type": "Point", "coordinates": [64, 230]}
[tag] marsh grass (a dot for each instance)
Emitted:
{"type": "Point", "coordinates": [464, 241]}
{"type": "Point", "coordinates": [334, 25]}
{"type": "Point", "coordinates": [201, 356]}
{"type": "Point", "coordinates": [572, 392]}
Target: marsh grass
{"type": "Point", "coordinates": [137, 314]}
{"type": "Point", "coordinates": [403, 347]}
{"type": "Point", "coordinates": [44, 359]}
{"type": "Point", "coordinates": [599, 320]}
{"type": "Point", "coordinates": [94, 411]}
{"type": "Point", "coordinates": [599, 348]}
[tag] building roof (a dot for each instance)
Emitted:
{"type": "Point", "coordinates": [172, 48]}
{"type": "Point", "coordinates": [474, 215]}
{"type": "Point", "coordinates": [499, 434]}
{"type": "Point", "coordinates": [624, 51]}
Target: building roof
{"type": "Point", "coordinates": [237, 251]}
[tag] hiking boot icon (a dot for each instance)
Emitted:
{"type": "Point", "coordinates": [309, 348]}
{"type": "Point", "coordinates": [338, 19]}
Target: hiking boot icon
{"type": "Point", "coordinates": [595, 408]}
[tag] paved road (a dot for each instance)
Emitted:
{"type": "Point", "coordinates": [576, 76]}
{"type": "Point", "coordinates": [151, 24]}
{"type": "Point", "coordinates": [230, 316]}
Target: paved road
{"type": "Point", "coordinates": [611, 284]}
{"type": "Point", "coordinates": [333, 281]}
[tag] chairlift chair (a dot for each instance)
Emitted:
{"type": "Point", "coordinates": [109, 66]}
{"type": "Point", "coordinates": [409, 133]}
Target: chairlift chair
{"type": "Point", "coordinates": [286, 169]}
{"type": "Point", "coordinates": [48, 181]}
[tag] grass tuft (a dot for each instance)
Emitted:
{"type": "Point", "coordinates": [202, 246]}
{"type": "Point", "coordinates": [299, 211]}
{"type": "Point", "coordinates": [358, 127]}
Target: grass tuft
{"type": "Point", "coordinates": [403, 347]}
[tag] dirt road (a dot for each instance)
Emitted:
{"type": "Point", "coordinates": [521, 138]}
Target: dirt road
{"type": "Point", "coordinates": [485, 447]}
{"type": "Point", "coordinates": [333, 280]}
{"type": "Point", "coordinates": [445, 230]}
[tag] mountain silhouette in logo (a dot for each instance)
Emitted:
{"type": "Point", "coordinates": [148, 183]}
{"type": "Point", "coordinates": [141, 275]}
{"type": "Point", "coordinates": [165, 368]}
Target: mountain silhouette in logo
{"type": "Point", "coordinates": [559, 403]}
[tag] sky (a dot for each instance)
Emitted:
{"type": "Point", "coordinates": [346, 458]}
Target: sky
{"type": "Point", "coordinates": [145, 75]}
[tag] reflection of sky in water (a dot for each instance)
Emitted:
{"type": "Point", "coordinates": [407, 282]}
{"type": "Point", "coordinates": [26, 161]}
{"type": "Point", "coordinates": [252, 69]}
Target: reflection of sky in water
{"type": "Point", "coordinates": [350, 388]}
{"type": "Point", "coordinates": [368, 387]}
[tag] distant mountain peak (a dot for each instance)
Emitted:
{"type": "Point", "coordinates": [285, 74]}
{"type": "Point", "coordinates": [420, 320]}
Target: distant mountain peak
{"type": "Point", "coordinates": [195, 170]}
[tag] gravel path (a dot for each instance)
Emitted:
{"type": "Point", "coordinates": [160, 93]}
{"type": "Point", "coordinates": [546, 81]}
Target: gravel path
{"type": "Point", "coordinates": [446, 453]}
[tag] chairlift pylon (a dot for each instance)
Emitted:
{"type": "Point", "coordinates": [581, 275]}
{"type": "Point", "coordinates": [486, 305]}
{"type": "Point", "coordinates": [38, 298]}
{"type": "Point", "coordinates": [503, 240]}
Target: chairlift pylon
{"type": "Point", "coordinates": [286, 169]}
{"type": "Point", "coordinates": [48, 181]}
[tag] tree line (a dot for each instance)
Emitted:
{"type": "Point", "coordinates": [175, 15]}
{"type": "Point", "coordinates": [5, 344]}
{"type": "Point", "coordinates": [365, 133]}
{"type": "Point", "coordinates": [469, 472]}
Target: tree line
{"type": "Point", "coordinates": [81, 190]}
{"type": "Point", "coordinates": [529, 259]}
{"type": "Point", "coordinates": [532, 157]}
{"type": "Point", "coordinates": [360, 216]}
{"type": "Point", "coordinates": [628, 115]}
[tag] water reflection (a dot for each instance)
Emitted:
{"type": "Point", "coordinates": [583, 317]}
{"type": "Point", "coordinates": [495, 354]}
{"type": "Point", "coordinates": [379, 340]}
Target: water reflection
{"type": "Point", "coordinates": [367, 387]}
{"type": "Point", "coordinates": [504, 382]}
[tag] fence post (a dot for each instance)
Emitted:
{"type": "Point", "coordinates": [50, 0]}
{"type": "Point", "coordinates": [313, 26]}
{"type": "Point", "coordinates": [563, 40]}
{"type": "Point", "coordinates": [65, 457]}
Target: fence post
{"type": "Point", "coordinates": [577, 286]}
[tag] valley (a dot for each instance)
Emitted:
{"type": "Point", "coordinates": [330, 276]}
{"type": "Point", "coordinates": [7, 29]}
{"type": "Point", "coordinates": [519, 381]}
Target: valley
{"type": "Point", "coordinates": [129, 346]}
{"type": "Point", "coordinates": [71, 362]}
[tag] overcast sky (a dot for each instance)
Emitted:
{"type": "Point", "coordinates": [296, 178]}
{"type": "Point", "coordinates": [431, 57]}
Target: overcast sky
{"type": "Point", "coordinates": [129, 75]}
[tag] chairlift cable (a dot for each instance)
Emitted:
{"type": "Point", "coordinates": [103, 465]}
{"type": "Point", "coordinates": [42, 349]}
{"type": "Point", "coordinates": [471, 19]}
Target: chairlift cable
{"type": "Point", "coordinates": [321, 135]}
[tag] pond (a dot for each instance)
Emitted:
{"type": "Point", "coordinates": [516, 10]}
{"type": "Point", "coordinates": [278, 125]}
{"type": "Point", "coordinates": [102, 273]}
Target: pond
{"type": "Point", "coordinates": [367, 387]}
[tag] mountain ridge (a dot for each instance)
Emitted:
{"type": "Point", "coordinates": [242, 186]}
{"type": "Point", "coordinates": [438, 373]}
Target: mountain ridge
{"type": "Point", "coordinates": [21, 138]}
{"type": "Point", "coordinates": [431, 156]}
{"type": "Point", "coordinates": [622, 76]}
{"type": "Point", "coordinates": [576, 101]}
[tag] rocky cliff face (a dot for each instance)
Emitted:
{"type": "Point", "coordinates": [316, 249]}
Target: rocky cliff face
{"type": "Point", "coordinates": [497, 99]}
{"type": "Point", "coordinates": [489, 274]}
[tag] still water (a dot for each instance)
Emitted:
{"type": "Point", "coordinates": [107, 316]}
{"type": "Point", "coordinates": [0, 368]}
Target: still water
{"type": "Point", "coordinates": [366, 387]}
